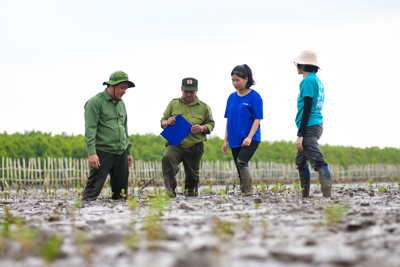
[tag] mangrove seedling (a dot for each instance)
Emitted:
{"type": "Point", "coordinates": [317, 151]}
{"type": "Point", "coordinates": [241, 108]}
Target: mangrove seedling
{"type": "Point", "coordinates": [264, 225]}
{"type": "Point", "coordinates": [253, 188]}
{"type": "Point", "coordinates": [297, 188]}
{"type": "Point", "coordinates": [222, 193]}
{"type": "Point", "coordinates": [371, 184]}
{"type": "Point", "coordinates": [151, 222]}
{"type": "Point", "coordinates": [133, 203]}
{"type": "Point", "coordinates": [141, 182]}
{"type": "Point", "coordinates": [15, 229]}
{"type": "Point", "coordinates": [282, 187]}
{"type": "Point", "coordinates": [223, 230]}
{"type": "Point", "coordinates": [78, 204]}
{"type": "Point", "coordinates": [209, 190]}
{"type": "Point", "coordinates": [275, 189]}
{"type": "Point", "coordinates": [381, 189]}
{"type": "Point", "coordinates": [51, 248]}
{"type": "Point", "coordinates": [131, 240]}
{"type": "Point", "coordinates": [85, 248]}
{"type": "Point", "coordinates": [318, 186]}
{"type": "Point", "coordinates": [123, 195]}
{"type": "Point", "coordinates": [245, 223]}
{"type": "Point", "coordinates": [333, 213]}
{"type": "Point", "coordinates": [185, 192]}
{"type": "Point", "coordinates": [6, 195]}
{"type": "Point", "coordinates": [132, 191]}
{"type": "Point", "coordinates": [226, 190]}
{"type": "Point", "coordinates": [158, 192]}
{"type": "Point", "coordinates": [263, 187]}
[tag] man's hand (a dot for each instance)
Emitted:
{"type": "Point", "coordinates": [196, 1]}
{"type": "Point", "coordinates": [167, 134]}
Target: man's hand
{"type": "Point", "coordinates": [166, 123]}
{"type": "Point", "coordinates": [171, 121]}
{"type": "Point", "coordinates": [94, 161]}
{"type": "Point", "coordinates": [299, 143]}
{"type": "Point", "coordinates": [196, 129]}
{"type": "Point", "coordinates": [225, 148]}
{"type": "Point", "coordinates": [130, 160]}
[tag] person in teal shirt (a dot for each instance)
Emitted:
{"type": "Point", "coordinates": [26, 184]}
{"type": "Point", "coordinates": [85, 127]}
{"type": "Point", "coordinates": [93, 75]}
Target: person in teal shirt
{"type": "Point", "coordinates": [107, 139]}
{"type": "Point", "coordinates": [312, 87]}
{"type": "Point", "coordinates": [309, 122]}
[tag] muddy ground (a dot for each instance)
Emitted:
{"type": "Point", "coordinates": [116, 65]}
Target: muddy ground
{"type": "Point", "coordinates": [358, 226]}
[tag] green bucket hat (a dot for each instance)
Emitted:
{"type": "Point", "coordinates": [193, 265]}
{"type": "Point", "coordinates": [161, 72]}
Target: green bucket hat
{"type": "Point", "coordinates": [119, 77]}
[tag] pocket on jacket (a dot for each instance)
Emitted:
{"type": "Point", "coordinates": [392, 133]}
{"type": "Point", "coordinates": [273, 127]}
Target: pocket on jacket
{"type": "Point", "coordinates": [197, 119]}
{"type": "Point", "coordinates": [122, 117]}
{"type": "Point", "coordinates": [108, 115]}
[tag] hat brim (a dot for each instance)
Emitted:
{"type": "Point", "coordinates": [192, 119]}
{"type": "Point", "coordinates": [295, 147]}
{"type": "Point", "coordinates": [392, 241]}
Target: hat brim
{"type": "Point", "coordinates": [187, 88]}
{"type": "Point", "coordinates": [130, 84]}
{"type": "Point", "coordinates": [297, 61]}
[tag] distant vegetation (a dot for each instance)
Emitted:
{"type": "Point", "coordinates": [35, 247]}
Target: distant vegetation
{"type": "Point", "coordinates": [150, 147]}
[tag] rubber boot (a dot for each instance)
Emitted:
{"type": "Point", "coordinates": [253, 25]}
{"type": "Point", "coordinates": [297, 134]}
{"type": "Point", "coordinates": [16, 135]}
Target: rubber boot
{"type": "Point", "coordinates": [304, 175]}
{"type": "Point", "coordinates": [245, 177]}
{"type": "Point", "coordinates": [325, 180]}
{"type": "Point", "coordinates": [193, 192]}
{"type": "Point", "coordinates": [170, 184]}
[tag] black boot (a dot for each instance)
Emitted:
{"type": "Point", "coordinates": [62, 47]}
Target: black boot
{"type": "Point", "coordinates": [192, 193]}
{"type": "Point", "coordinates": [245, 177]}
{"type": "Point", "coordinates": [304, 175]}
{"type": "Point", "coordinates": [325, 180]}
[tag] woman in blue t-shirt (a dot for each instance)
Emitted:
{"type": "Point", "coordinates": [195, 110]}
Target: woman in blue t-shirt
{"type": "Point", "coordinates": [244, 111]}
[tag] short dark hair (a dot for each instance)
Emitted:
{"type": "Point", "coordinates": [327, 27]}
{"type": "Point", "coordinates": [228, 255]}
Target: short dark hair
{"type": "Point", "coordinates": [244, 71]}
{"type": "Point", "coordinates": [308, 68]}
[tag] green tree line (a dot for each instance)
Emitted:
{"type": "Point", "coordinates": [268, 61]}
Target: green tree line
{"type": "Point", "coordinates": [150, 147]}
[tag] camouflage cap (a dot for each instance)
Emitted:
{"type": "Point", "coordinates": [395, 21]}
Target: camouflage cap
{"type": "Point", "coordinates": [189, 84]}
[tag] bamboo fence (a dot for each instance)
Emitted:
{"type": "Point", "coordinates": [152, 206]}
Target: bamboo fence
{"type": "Point", "coordinates": [67, 172]}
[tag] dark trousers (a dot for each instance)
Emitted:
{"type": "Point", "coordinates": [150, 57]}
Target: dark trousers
{"type": "Point", "coordinates": [117, 167]}
{"type": "Point", "coordinates": [243, 154]}
{"type": "Point", "coordinates": [190, 157]}
{"type": "Point", "coordinates": [311, 151]}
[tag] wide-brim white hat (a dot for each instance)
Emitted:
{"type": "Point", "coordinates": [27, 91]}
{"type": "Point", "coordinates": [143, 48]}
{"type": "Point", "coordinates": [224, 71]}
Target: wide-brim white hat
{"type": "Point", "coordinates": [306, 57]}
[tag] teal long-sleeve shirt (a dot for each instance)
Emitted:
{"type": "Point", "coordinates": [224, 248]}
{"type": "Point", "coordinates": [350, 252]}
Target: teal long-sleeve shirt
{"type": "Point", "coordinates": [106, 125]}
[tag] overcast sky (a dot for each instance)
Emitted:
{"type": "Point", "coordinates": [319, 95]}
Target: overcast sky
{"type": "Point", "coordinates": [55, 55]}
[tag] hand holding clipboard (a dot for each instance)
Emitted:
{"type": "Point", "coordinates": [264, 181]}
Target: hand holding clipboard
{"type": "Point", "coordinates": [177, 132]}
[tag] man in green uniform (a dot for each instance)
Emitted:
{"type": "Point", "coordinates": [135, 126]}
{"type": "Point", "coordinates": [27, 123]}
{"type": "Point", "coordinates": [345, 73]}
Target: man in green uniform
{"type": "Point", "coordinates": [107, 139]}
{"type": "Point", "coordinates": [191, 149]}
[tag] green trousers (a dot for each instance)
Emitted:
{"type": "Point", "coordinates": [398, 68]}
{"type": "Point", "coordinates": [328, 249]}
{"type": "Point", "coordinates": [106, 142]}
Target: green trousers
{"type": "Point", "coordinates": [190, 157]}
{"type": "Point", "coordinates": [117, 167]}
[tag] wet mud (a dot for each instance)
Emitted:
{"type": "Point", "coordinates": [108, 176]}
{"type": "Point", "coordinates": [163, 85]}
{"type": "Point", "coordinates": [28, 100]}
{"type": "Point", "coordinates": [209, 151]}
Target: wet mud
{"type": "Point", "coordinates": [358, 226]}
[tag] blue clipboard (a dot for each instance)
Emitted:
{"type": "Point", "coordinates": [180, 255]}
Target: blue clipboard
{"type": "Point", "coordinates": [177, 132]}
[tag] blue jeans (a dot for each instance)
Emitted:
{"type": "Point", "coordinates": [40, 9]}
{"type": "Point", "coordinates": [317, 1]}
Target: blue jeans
{"type": "Point", "coordinates": [311, 151]}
